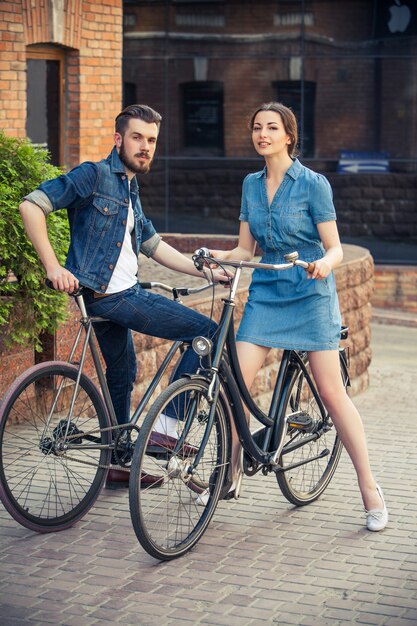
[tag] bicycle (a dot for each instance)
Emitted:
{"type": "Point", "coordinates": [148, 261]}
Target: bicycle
{"type": "Point", "coordinates": [58, 432]}
{"type": "Point", "coordinates": [297, 439]}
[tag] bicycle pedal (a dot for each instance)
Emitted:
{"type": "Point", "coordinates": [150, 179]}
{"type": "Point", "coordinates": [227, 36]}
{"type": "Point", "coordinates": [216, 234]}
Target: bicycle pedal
{"type": "Point", "coordinates": [301, 421]}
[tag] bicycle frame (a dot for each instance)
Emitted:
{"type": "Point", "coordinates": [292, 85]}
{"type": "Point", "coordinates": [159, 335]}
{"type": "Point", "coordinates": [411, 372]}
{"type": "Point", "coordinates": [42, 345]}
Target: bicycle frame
{"type": "Point", "coordinates": [292, 362]}
{"type": "Point", "coordinates": [90, 341]}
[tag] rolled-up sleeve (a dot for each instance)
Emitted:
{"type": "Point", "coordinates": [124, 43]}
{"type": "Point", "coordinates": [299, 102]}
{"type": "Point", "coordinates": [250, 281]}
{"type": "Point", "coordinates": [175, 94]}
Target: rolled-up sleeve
{"type": "Point", "coordinates": [150, 238]}
{"type": "Point", "coordinates": [149, 246]}
{"type": "Point", "coordinates": [40, 198]}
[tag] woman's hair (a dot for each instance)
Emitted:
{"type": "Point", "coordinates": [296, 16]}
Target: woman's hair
{"type": "Point", "coordinates": [136, 111]}
{"type": "Point", "coordinates": [288, 119]}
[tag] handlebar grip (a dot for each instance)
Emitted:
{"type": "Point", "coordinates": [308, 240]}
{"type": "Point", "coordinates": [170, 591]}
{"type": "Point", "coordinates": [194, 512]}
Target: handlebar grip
{"type": "Point", "coordinates": [146, 285]}
{"type": "Point", "coordinates": [49, 283]}
{"type": "Point", "coordinates": [310, 268]}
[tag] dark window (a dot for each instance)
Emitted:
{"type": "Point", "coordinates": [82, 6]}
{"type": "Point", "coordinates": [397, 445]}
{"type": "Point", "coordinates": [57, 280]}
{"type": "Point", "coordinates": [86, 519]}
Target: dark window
{"type": "Point", "coordinates": [44, 100]}
{"type": "Point", "coordinates": [129, 94]}
{"type": "Point", "coordinates": [203, 116]}
{"type": "Point", "coordinates": [300, 98]}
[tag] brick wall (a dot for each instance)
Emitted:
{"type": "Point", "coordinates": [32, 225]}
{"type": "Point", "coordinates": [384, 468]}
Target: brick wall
{"type": "Point", "coordinates": [354, 279]}
{"type": "Point", "coordinates": [395, 288]}
{"type": "Point", "coordinates": [12, 69]}
{"type": "Point", "coordinates": [380, 205]}
{"type": "Point", "coordinates": [91, 31]}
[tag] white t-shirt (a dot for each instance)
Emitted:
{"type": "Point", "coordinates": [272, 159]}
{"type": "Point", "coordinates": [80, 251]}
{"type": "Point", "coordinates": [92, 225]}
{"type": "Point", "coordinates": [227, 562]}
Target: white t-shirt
{"type": "Point", "coordinates": [125, 272]}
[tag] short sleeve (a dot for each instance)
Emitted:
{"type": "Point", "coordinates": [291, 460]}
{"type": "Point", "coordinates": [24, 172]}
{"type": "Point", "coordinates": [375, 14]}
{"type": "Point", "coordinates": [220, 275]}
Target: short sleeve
{"type": "Point", "coordinates": [244, 211]}
{"type": "Point", "coordinates": [321, 206]}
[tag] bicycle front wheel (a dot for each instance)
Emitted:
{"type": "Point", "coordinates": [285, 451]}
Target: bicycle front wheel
{"type": "Point", "coordinates": [51, 464]}
{"type": "Point", "coordinates": [170, 520]}
{"type": "Point", "coordinates": [312, 447]}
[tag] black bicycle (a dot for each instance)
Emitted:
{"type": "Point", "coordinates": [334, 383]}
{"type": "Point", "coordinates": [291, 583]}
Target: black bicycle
{"type": "Point", "coordinates": [297, 440]}
{"type": "Point", "coordinates": [59, 433]}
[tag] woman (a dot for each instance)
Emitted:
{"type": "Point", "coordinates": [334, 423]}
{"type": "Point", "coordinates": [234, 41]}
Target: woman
{"type": "Point", "coordinates": [288, 207]}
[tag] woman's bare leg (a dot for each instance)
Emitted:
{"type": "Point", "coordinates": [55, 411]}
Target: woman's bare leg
{"type": "Point", "coordinates": [326, 371]}
{"type": "Point", "coordinates": [251, 358]}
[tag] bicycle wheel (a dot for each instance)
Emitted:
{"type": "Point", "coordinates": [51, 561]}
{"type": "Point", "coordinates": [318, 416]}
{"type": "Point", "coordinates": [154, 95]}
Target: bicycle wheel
{"type": "Point", "coordinates": [170, 520]}
{"type": "Point", "coordinates": [50, 472]}
{"type": "Point", "coordinates": [312, 437]}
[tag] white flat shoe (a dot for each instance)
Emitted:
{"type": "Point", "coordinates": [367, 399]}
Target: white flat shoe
{"type": "Point", "coordinates": [377, 519]}
{"type": "Point", "coordinates": [234, 492]}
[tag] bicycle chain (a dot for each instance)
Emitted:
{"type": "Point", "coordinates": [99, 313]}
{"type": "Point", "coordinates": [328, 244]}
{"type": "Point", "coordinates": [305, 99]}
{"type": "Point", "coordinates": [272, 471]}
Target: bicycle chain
{"type": "Point", "coordinates": [91, 432]}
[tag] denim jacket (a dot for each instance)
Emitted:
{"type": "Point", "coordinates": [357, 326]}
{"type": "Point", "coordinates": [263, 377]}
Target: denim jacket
{"type": "Point", "coordinates": [96, 196]}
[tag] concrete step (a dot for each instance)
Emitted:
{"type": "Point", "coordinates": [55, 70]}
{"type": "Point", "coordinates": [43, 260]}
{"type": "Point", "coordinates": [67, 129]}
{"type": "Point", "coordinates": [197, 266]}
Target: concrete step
{"type": "Point", "coordinates": [394, 317]}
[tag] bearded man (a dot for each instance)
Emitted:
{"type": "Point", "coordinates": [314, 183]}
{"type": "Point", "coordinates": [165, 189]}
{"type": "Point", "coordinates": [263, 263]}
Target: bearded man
{"type": "Point", "coordinates": [108, 230]}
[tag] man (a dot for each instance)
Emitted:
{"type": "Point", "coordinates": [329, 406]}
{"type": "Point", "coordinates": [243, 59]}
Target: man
{"type": "Point", "coordinates": [108, 229]}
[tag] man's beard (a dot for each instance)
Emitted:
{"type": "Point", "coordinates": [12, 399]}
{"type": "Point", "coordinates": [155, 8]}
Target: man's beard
{"type": "Point", "coordinates": [132, 166]}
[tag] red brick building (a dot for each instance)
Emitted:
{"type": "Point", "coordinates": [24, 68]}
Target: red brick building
{"type": "Point", "coordinates": [348, 69]}
{"type": "Point", "coordinates": [60, 74]}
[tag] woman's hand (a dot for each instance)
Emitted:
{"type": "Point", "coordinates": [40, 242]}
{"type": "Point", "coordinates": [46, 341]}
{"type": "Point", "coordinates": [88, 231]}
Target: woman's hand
{"type": "Point", "coordinates": [322, 269]}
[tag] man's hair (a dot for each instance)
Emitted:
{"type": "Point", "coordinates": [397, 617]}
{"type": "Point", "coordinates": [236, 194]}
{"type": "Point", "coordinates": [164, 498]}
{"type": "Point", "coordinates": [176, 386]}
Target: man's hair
{"type": "Point", "coordinates": [136, 111]}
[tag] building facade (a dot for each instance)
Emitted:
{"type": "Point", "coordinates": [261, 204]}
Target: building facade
{"type": "Point", "coordinates": [348, 69]}
{"type": "Point", "coordinates": [60, 74]}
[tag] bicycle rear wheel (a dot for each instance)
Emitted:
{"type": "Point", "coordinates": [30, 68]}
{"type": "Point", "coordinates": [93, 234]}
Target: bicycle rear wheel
{"type": "Point", "coordinates": [49, 478]}
{"type": "Point", "coordinates": [170, 520]}
{"type": "Point", "coordinates": [311, 436]}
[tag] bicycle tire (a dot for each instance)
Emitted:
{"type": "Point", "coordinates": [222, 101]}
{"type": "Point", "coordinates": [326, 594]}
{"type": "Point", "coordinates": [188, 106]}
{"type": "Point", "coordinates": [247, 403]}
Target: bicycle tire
{"type": "Point", "coordinates": [44, 485]}
{"type": "Point", "coordinates": [169, 521]}
{"type": "Point", "coordinates": [305, 483]}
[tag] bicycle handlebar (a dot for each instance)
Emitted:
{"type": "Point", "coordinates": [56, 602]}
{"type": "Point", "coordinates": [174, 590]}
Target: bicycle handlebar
{"type": "Point", "coordinates": [175, 291]}
{"type": "Point", "coordinates": [202, 257]}
{"type": "Point", "coordinates": [181, 291]}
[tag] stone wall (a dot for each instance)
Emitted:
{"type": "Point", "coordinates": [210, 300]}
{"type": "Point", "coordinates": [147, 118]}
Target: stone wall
{"type": "Point", "coordinates": [354, 279]}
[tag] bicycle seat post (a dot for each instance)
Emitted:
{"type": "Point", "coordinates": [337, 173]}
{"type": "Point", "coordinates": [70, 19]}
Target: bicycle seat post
{"type": "Point", "coordinates": [80, 302]}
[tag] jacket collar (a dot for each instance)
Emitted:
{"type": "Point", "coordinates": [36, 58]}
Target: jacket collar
{"type": "Point", "coordinates": [116, 165]}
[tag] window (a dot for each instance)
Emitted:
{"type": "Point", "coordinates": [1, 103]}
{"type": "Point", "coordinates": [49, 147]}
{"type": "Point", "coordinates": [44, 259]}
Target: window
{"type": "Point", "coordinates": [203, 117]}
{"type": "Point", "coordinates": [129, 93]}
{"type": "Point", "coordinates": [300, 98]}
{"type": "Point", "coordinates": [44, 120]}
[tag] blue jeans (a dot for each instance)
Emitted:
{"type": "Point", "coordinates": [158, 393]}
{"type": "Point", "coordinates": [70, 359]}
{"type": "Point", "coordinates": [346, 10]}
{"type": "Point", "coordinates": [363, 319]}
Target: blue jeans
{"type": "Point", "coordinates": [149, 313]}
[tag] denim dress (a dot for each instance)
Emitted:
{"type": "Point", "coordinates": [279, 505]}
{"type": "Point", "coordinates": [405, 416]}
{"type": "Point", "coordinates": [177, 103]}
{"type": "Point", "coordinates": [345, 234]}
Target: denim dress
{"type": "Point", "coordinates": [285, 309]}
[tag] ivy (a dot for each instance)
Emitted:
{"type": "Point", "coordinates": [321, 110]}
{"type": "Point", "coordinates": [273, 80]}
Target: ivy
{"type": "Point", "coordinates": [27, 307]}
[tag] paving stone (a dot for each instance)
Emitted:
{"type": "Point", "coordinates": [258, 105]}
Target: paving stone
{"type": "Point", "coordinates": [261, 561]}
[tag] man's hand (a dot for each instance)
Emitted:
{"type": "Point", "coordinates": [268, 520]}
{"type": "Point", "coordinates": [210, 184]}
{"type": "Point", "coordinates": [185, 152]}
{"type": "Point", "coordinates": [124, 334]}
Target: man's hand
{"type": "Point", "coordinates": [218, 275]}
{"type": "Point", "coordinates": [62, 279]}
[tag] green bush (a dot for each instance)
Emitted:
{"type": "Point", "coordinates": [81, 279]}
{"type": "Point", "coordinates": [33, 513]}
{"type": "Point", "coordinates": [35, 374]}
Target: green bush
{"type": "Point", "coordinates": [22, 168]}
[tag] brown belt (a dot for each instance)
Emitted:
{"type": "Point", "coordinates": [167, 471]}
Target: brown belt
{"type": "Point", "coordinates": [100, 295]}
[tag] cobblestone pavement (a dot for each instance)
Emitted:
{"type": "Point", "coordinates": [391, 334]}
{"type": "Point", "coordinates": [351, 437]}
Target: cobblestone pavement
{"type": "Point", "coordinates": [261, 561]}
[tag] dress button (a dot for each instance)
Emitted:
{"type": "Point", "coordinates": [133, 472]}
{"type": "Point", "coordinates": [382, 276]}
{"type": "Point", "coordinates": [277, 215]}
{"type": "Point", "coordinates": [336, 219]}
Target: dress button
{"type": "Point", "coordinates": [124, 222]}
{"type": "Point", "coordinates": [103, 287]}
{"type": "Point", "coordinates": [123, 177]}
{"type": "Point", "coordinates": [118, 244]}
{"type": "Point", "coordinates": [126, 200]}
{"type": "Point", "coordinates": [106, 210]}
{"type": "Point", "coordinates": [111, 266]}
